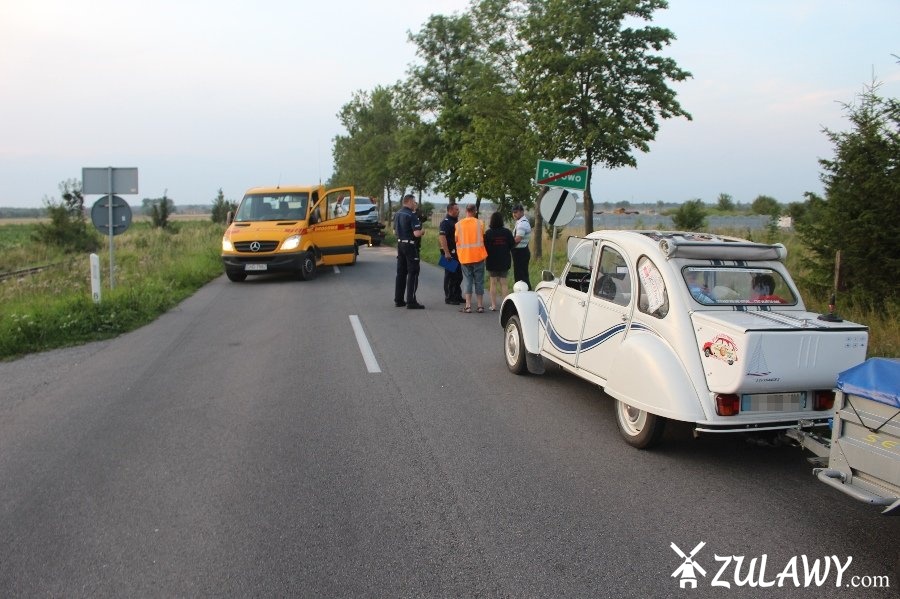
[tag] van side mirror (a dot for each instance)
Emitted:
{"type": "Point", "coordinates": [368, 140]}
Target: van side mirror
{"type": "Point", "coordinates": [229, 218]}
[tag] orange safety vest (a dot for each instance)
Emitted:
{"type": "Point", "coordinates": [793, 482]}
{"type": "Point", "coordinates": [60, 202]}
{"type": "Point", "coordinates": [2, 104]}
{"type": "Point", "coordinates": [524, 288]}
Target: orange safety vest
{"type": "Point", "coordinates": [470, 241]}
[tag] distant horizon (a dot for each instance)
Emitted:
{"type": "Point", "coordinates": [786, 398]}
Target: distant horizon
{"type": "Point", "coordinates": [440, 202]}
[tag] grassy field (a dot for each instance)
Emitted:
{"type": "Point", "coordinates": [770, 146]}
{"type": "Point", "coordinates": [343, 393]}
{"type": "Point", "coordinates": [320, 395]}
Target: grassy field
{"type": "Point", "coordinates": [157, 269]}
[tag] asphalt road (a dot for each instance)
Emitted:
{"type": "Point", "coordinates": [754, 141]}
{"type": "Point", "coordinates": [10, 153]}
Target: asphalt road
{"type": "Point", "coordinates": [240, 446]}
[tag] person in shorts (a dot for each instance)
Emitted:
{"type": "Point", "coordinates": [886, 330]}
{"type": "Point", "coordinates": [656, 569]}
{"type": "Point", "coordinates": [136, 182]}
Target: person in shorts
{"type": "Point", "coordinates": [499, 243]}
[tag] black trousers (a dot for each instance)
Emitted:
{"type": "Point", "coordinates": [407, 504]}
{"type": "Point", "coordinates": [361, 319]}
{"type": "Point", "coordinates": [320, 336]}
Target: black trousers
{"type": "Point", "coordinates": [521, 257]}
{"type": "Point", "coordinates": [453, 285]}
{"type": "Point", "coordinates": [407, 273]}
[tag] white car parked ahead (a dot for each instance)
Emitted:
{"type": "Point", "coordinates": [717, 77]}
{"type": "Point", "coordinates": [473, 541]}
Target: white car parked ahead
{"type": "Point", "coordinates": [684, 326]}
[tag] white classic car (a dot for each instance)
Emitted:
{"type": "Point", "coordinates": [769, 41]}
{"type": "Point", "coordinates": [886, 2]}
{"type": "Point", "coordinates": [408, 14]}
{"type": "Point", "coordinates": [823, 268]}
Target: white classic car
{"type": "Point", "coordinates": [693, 327]}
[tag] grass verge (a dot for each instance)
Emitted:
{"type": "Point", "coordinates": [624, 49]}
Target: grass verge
{"type": "Point", "coordinates": [155, 270]}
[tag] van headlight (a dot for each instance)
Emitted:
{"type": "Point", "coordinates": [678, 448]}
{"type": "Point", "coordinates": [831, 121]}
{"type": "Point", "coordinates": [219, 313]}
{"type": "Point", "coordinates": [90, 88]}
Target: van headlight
{"type": "Point", "coordinates": [227, 246]}
{"type": "Point", "coordinates": [291, 243]}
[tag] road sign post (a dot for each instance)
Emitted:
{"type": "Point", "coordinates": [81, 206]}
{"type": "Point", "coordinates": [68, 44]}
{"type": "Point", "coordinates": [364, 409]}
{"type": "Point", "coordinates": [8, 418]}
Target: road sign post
{"type": "Point", "coordinates": [557, 209]}
{"type": "Point", "coordinates": [108, 181]}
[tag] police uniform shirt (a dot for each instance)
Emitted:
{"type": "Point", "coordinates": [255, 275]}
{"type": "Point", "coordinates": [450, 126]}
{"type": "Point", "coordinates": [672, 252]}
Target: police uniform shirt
{"type": "Point", "coordinates": [448, 230]}
{"type": "Point", "coordinates": [405, 223]}
{"type": "Point", "coordinates": [523, 229]}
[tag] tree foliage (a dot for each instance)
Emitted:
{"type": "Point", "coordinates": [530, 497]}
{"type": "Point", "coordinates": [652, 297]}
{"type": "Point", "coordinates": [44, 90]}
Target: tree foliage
{"type": "Point", "coordinates": [858, 215]}
{"type": "Point", "coordinates": [507, 82]}
{"type": "Point", "coordinates": [363, 156]}
{"type": "Point", "coordinates": [690, 216]}
{"type": "Point", "coordinates": [159, 210]}
{"type": "Point", "coordinates": [725, 202]}
{"type": "Point", "coordinates": [221, 207]}
{"type": "Point", "coordinates": [767, 205]}
{"type": "Point", "coordinates": [68, 228]}
{"type": "Point", "coordinates": [595, 82]}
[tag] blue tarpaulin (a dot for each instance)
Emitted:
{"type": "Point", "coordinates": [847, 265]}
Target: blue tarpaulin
{"type": "Point", "coordinates": [877, 379]}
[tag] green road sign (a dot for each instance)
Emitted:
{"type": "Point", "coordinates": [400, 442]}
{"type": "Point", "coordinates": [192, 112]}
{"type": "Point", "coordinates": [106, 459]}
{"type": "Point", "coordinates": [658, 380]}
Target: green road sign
{"type": "Point", "coordinates": [561, 174]}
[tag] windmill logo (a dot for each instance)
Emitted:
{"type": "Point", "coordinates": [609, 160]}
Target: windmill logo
{"type": "Point", "coordinates": [689, 568]}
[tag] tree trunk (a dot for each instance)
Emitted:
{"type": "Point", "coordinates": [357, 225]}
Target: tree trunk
{"type": "Point", "coordinates": [588, 200]}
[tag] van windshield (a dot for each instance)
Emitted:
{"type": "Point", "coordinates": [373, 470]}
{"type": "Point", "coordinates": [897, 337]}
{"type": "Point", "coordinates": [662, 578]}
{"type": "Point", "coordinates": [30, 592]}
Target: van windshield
{"type": "Point", "coordinates": [279, 206]}
{"type": "Point", "coordinates": [716, 286]}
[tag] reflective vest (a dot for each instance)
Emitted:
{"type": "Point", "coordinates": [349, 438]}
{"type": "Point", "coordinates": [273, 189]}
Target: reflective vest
{"type": "Point", "coordinates": [470, 241]}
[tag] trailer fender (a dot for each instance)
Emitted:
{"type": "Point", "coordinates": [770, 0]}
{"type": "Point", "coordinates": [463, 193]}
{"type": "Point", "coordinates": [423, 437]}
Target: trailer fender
{"type": "Point", "coordinates": [647, 374]}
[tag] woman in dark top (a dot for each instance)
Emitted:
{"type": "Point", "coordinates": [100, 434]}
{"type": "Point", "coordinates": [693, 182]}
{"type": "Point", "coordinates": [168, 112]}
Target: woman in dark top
{"type": "Point", "coordinates": [499, 242]}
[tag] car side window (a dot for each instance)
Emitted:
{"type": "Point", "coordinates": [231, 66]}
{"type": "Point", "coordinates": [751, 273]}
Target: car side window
{"type": "Point", "coordinates": [578, 275]}
{"type": "Point", "coordinates": [654, 298]}
{"type": "Point", "coordinates": [613, 280]}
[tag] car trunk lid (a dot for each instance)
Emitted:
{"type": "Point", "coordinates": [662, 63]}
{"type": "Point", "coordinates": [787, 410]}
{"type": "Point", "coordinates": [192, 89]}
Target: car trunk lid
{"type": "Point", "coordinates": [759, 351]}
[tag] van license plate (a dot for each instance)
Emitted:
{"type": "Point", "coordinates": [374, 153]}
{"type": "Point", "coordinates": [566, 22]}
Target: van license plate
{"type": "Point", "coordinates": [255, 267]}
{"type": "Point", "coordinates": [773, 402]}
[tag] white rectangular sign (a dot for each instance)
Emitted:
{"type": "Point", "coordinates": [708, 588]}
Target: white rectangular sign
{"type": "Point", "coordinates": [97, 180]}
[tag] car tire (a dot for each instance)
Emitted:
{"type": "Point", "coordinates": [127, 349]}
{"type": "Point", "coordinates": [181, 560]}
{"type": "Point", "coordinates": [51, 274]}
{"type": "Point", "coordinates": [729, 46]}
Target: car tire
{"type": "Point", "coordinates": [307, 270]}
{"type": "Point", "coordinates": [235, 276]}
{"type": "Point", "coordinates": [514, 346]}
{"type": "Point", "coordinates": [639, 428]}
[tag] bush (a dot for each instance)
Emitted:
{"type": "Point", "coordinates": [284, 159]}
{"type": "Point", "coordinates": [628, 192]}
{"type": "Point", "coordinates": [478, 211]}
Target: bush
{"type": "Point", "coordinates": [221, 207]}
{"type": "Point", "coordinates": [690, 216]}
{"type": "Point", "coordinates": [66, 231]}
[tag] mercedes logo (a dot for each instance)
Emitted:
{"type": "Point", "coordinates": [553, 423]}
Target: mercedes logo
{"type": "Point", "coordinates": [254, 246]}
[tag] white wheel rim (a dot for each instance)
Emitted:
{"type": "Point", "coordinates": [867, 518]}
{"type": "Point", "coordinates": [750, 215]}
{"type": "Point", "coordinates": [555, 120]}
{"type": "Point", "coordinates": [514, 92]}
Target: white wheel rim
{"type": "Point", "coordinates": [512, 345]}
{"type": "Point", "coordinates": [633, 420]}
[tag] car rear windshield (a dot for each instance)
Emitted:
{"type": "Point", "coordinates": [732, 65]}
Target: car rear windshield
{"type": "Point", "coordinates": [281, 206]}
{"type": "Point", "coordinates": [720, 285]}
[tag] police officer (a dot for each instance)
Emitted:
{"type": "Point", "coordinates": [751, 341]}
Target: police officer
{"type": "Point", "coordinates": [447, 239]}
{"type": "Point", "coordinates": [521, 255]}
{"type": "Point", "coordinates": [408, 228]}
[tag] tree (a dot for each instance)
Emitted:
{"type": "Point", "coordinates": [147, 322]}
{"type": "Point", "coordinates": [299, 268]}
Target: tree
{"type": "Point", "coordinates": [858, 215]}
{"type": "Point", "coordinates": [221, 207]}
{"type": "Point", "coordinates": [160, 209]}
{"type": "Point", "coordinates": [595, 86]}
{"type": "Point", "coordinates": [690, 216]}
{"type": "Point", "coordinates": [68, 226]}
{"type": "Point", "coordinates": [448, 47]}
{"type": "Point", "coordinates": [725, 202]}
{"type": "Point", "coordinates": [416, 157]}
{"type": "Point", "coordinates": [363, 157]}
{"type": "Point", "coordinates": [766, 205]}
{"type": "Point", "coordinates": [468, 89]}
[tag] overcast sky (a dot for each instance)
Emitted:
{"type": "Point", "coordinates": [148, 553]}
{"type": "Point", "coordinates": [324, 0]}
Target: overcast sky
{"type": "Point", "coordinates": [202, 94]}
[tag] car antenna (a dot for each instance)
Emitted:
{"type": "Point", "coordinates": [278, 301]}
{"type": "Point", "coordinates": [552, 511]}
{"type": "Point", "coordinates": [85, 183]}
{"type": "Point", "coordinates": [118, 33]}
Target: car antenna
{"type": "Point", "coordinates": [831, 316]}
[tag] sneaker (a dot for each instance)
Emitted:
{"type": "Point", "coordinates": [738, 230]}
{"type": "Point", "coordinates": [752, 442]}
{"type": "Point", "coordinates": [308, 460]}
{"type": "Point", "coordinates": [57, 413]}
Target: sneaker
{"type": "Point", "coordinates": [399, 304]}
{"type": "Point", "coordinates": [415, 306]}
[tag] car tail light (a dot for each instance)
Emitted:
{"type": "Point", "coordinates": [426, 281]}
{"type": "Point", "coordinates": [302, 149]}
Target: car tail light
{"type": "Point", "coordinates": [823, 399]}
{"type": "Point", "coordinates": [728, 404]}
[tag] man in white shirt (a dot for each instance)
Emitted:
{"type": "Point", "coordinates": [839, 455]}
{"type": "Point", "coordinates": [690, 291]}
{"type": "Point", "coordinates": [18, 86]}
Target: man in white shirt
{"type": "Point", "coordinates": [521, 255]}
